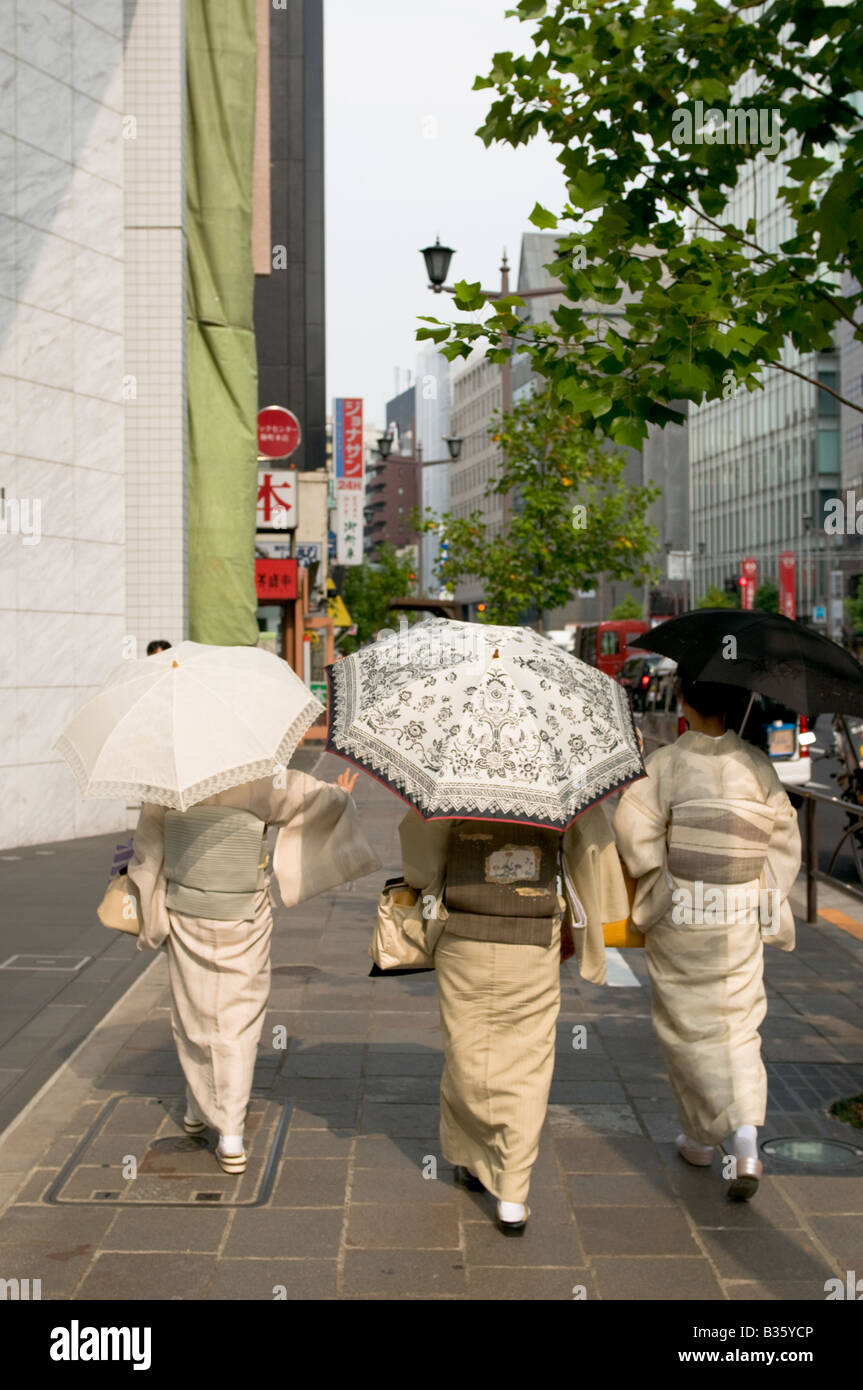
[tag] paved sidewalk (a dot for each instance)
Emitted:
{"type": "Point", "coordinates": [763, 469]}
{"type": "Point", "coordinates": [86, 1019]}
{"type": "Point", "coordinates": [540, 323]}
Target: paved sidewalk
{"type": "Point", "coordinates": [337, 1203]}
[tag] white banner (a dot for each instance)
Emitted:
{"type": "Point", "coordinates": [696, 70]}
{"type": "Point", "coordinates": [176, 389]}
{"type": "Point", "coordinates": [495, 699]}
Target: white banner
{"type": "Point", "coordinates": [349, 524]}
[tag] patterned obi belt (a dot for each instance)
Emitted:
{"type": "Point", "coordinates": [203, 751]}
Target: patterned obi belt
{"type": "Point", "coordinates": [501, 882]}
{"type": "Point", "coordinates": [717, 863]}
{"type": "Point", "coordinates": [215, 862]}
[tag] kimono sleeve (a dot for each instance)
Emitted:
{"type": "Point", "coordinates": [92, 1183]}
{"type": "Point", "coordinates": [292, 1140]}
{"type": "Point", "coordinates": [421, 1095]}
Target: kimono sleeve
{"type": "Point", "coordinates": [321, 843]}
{"type": "Point", "coordinates": [146, 870]}
{"type": "Point", "coordinates": [594, 874]}
{"type": "Point", "coordinates": [782, 866]}
{"type": "Point", "coordinates": [424, 846]}
{"type": "Point", "coordinates": [640, 828]}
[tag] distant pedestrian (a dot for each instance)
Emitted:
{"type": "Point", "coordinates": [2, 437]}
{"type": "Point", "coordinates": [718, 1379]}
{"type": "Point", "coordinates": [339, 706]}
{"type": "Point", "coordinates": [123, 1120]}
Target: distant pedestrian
{"type": "Point", "coordinates": [712, 839]}
{"type": "Point", "coordinates": [157, 645]}
{"type": "Point", "coordinates": [204, 894]}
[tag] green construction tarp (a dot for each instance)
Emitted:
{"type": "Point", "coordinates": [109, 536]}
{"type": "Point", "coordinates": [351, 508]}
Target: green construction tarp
{"type": "Point", "coordinates": [222, 364]}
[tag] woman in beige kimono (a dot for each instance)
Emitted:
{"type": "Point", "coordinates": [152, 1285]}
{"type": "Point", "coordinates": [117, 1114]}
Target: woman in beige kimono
{"type": "Point", "coordinates": [203, 892]}
{"type": "Point", "coordinates": [712, 839]}
{"type": "Point", "coordinates": [498, 978]}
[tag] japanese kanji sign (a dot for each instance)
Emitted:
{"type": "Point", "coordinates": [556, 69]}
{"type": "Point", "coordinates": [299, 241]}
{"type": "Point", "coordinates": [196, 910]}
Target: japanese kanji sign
{"type": "Point", "coordinates": [348, 441]}
{"type": "Point", "coordinates": [277, 499]}
{"type": "Point", "coordinates": [276, 580]}
{"type": "Point", "coordinates": [278, 432]}
{"type": "Point", "coordinates": [349, 526]}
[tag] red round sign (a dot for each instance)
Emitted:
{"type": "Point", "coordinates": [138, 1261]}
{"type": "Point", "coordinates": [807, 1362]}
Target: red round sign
{"type": "Point", "coordinates": [278, 432]}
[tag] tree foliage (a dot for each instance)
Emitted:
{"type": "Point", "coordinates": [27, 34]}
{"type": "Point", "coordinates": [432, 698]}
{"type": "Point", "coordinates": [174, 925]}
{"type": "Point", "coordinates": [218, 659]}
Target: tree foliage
{"type": "Point", "coordinates": [574, 518]}
{"type": "Point", "coordinates": [717, 598]}
{"type": "Point", "coordinates": [629, 609]}
{"type": "Point", "coordinates": [368, 589]}
{"type": "Point", "coordinates": [707, 303]}
{"type": "Point", "coordinates": [767, 597]}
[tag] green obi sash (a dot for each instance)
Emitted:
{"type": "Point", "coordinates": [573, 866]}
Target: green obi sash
{"type": "Point", "coordinates": [215, 862]}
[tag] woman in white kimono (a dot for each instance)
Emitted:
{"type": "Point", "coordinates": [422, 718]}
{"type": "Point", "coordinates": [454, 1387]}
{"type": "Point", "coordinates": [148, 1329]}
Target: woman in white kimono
{"type": "Point", "coordinates": [498, 979]}
{"type": "Point", "coordinates": [203, 892]}
{"type": "Point", "coordinates": [712, 840]}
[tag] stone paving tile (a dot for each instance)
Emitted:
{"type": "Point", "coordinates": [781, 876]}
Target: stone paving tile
{"type": "Point", "coordinates": [608, 1155]}
{"type": "Point", "coordinates": [319, 1143]}
{"type": "Point", "coordinates": [289, 1232]}
{"type": "Point", "coordinates": [765, 1254]}
{"type": "Point", "coordinates": [401, 1185]}
{"type": "Point", "coordinates": [399, 1120]}
{"type": "Point", "coordinates": [843, 1236]}
{"type": "Point", "coordinates": [826, 1194]}
{"type": "Point", "coordinates": [154, 1230]}
{"type": "Point", "coordinates": [546, 1241]}
{"type": "Point", "coordinates": [780, 1290]}
{"type": "Point", "coordinates": [267, 1280]}
{"type": "Point", "coordinates": [380, 1150]}
{"type": "Point", "coordinates": [530, 1282]}
{"type": "Point", "coordinates": [663, 1279]}
{"type": "Point", "coordinates": [136, 1277]}
{"type": "Point", "coordinates": [623, 1190]}
{"type": "Point", "coordinates": [651, 1230]}
{"type": "Point", "coordinates": [403, 1226]}
{"type": "Point", "coordinates": [311, 1182]}
{"type": "Point", "coordinates": [396, 1274]}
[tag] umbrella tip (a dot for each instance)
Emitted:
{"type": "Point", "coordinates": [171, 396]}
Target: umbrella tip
{"type": "Point", "coordinates": [495, 654]}
{"type": "Point", "coordinates": [174, 665]}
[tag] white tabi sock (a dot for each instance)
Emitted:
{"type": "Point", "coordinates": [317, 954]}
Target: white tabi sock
{"type": "Point", "coordinates": [230, 1144]}
{"type": "Point", "coordinates": [511, 1211]}
{"type": "Point", "coordinates": [745, 1141]}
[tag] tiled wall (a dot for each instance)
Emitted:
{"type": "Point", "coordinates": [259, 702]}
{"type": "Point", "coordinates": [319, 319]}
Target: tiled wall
{"type": "Point", "coordinates": [154, 163]}
{"type": "Point", "coordinates": [63, 362]}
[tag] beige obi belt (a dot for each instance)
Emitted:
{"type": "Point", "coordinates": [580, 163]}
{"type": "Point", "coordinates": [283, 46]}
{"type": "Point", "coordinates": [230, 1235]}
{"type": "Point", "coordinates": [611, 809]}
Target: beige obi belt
{"type": "Point", "coordinates": [215, 862]}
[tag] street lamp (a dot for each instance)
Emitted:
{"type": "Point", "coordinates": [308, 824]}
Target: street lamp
{"type": "Point", "coordinates": [385, 444]}
{"type": "Point", "coordinates": [437, 259]}
{"type": "Point", "coordinates": [454, 444]}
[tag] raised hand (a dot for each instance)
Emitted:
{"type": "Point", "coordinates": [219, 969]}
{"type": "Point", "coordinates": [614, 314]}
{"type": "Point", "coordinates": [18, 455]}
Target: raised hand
{"type": "Point", "coordinates": [347, 779]}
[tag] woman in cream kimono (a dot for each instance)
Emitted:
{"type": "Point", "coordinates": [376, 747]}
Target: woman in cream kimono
{"type": "Point", "coordinates": [712, 839]}
{"type": "Point", "coordinates": [203, 892]}
{"type": "Point", "coordinates": [499, 993]}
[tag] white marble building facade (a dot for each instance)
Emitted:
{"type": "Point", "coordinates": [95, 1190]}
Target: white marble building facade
{"type": "Point", "coordinates": [77, 304]}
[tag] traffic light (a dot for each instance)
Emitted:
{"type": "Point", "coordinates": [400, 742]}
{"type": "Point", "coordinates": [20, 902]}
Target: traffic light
{"type": "Point", "coordinates": [730, 586]}
{"type": "Point", "coordinates": [480, 608]}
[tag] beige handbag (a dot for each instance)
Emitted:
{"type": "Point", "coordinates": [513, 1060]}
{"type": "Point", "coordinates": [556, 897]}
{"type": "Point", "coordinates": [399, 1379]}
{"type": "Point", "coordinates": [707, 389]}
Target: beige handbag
{"type": "Point", "coordinates": [405, 933]}
{"type": "Point", "coordinates": [121, 906]}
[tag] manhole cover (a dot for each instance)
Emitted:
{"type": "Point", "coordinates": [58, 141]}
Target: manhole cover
{"type": "Point", "coordinates": [133, 1156]}
{"type": "Point", "coordinates": [178, 1144]}
{"type": "Point", "coordinates": [823, 1153]}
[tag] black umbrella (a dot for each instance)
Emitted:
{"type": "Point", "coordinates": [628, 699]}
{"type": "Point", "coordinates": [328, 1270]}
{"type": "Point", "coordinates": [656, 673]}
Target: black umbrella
{"type": "Point", "coordinates": [764, 652]}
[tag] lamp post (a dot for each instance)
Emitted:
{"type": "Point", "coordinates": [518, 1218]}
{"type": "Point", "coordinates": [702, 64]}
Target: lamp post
{"type": "Point", "coordinates": [384, 450]}
{"type": "Point", "coordinates": [437, 262]}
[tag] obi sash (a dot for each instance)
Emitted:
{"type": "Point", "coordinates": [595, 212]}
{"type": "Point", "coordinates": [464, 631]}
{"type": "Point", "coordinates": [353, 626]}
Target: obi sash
{"type": "Point", "coordinates": [215, 862]}
{"type": "Point", "coordinates": [501, 882]}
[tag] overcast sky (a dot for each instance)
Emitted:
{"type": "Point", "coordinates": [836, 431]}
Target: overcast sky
{"type": "Point", "coordinates": [403, 165]}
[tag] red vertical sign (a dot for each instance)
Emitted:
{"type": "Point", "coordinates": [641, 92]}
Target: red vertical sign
{"type": "Point", "coordinates": [788, 584]}
{"type": "Point", "coordinates": [353, 441]}
{"type": "Point", "coordinates": [749, 573]}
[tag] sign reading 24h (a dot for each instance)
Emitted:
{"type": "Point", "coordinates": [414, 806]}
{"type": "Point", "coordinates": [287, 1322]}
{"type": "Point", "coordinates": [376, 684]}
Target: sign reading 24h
{"type": "Point", "coordinates": [350, 479]}
{"type": "Point", "coordinates": [277, 499]}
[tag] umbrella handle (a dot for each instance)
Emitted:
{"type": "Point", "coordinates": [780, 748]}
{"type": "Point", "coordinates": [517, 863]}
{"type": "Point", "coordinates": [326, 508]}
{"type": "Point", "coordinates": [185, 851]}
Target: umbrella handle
{"type": "Point", "coordinates": [746, 715]}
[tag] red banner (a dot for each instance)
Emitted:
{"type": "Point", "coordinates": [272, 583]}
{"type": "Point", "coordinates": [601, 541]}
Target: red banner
{"type": "Point", "coordinates": [788, 584]}
{"type": "Point", "coordinates": [749, 574]}
{"type": "Point", "coordinates": [353, 437]}
{"type": "Point", "coordinates": [276, 581]}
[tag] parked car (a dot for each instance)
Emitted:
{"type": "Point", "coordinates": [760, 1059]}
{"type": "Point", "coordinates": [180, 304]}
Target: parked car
{"type": "Point", "coordinates": [636, 674]}
{"type": "Point", "coordinates": [781, 733]}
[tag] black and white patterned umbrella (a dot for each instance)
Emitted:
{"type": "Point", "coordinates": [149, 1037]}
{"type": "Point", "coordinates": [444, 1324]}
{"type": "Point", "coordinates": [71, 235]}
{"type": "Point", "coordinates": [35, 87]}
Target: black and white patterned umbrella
{"type": "Point", "coordinates": [483, 722]}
